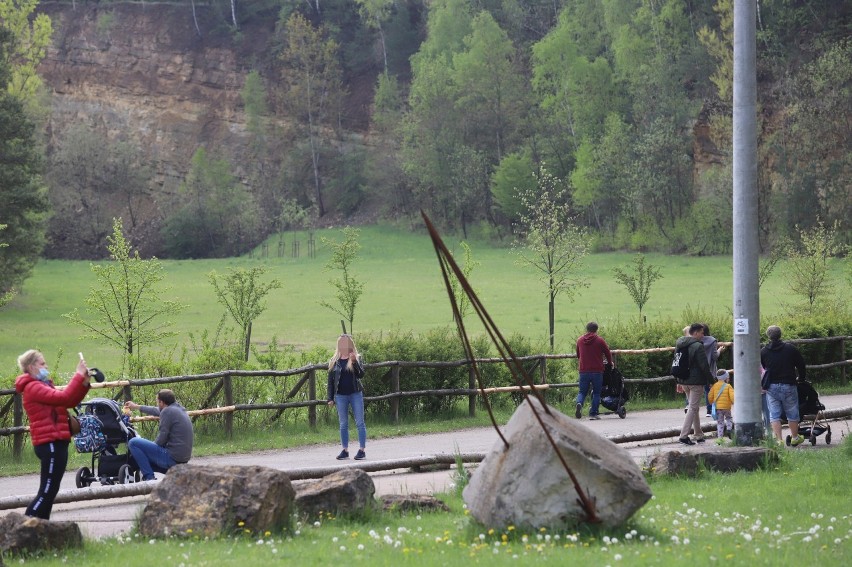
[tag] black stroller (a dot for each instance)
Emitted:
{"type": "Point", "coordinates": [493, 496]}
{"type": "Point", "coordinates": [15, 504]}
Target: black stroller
{"type": "Point", "coordinates": [614, 393]}
{"type": "Point", "coordinates": [812, 424]}
{"type": "Point", "coordinates": [103, 427]}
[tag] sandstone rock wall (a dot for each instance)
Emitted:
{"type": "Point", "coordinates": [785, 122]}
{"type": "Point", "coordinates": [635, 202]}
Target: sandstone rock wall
{"type": "Point", "coordinates": [140, 71]}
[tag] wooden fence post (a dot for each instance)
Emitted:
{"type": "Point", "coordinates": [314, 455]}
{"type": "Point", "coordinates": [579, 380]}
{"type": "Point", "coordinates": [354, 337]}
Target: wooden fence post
{"type": "Point", "coordinates": [18, 438]}
{"type": "Point", "coordinates": [394, 403]}
{"type": "Point", "coordinates": [471, 383]}
{"type": "Point", "coordinates": [312, 396]}
{"type": "Point", "coordinates": [229, 401]}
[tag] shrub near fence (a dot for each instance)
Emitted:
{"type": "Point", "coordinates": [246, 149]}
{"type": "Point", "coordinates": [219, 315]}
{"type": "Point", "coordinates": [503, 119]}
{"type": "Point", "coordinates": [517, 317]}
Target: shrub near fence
{"type": "Point", "coordinates": [308, 387]}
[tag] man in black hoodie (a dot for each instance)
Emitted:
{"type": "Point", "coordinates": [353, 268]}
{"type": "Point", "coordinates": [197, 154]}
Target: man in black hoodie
{"type": "Point", "coordinates": [785, 366]}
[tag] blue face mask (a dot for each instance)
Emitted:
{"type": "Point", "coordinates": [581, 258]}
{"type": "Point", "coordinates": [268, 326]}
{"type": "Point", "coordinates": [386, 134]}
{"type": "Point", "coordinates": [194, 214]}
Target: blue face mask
{"type": "Point", "coordinates": [43, 374]}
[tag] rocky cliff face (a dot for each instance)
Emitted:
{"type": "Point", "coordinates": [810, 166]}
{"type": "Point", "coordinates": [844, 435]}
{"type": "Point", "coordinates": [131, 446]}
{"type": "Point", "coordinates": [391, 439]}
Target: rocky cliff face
{"type": "Point", "coordinates": [141, 72]}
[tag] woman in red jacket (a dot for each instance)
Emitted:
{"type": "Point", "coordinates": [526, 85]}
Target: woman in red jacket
{"type": "Point", "coordinates": [46, 409]}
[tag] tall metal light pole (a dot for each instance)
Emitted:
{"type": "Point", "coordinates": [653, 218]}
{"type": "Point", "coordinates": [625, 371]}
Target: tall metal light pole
{"type": "Point", "coordinates": [747, 411]}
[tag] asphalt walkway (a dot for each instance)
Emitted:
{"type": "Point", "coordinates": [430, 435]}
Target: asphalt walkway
{"type": "Point", "coordinates": [104, 518]}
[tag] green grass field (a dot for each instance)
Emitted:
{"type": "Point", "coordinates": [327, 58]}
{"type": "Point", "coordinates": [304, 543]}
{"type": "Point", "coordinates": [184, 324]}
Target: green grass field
{"type": "Point", "coordinates": [790, 514]}
{"type": "Point", "coordinates": [402, 289]}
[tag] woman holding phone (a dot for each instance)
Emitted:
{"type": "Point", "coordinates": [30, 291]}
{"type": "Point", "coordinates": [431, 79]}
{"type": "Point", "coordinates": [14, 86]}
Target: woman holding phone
{"type": "Point", "coordinates": [345, 390]}
{"type": "Point", "coordinates": [47, 412]}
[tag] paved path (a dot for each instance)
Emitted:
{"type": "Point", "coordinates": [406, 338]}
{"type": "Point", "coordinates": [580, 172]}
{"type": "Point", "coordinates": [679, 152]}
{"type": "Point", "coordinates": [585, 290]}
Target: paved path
{"type": "Point", "coordinates": [103, 518]}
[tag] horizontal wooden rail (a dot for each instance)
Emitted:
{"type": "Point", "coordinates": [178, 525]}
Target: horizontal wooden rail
{"type": "Point", "coordinates": [224, 380]}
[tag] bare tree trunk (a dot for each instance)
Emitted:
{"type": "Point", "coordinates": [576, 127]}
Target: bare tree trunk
{"type": "Point", "coordinates": [315, 163]}
{"type": "Point", "coordinates": [384, 48]}
{"type": "Point", "coordinates": [195, 19]}
{"type": "Point", "coordinates": [551, 312]}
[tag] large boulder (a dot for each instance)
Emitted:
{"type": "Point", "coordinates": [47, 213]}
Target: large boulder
{"type": "Point", "coordinates": [211, 501]}
{"type": "Point", "coordinates": [347, 491]}
{"type": "Point", "coordinates": [24, 534]}
{"type": "Point", "coordinates": [526, 485]}
{"type": "Point", "coordinates": [719, 459]}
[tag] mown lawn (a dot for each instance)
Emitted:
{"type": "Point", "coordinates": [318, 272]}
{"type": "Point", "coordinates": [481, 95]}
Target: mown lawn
{"type": "Point", "coordinates": [402, 290]}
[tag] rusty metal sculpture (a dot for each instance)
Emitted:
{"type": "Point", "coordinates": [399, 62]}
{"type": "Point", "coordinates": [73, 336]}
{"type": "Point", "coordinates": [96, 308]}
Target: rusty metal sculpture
{"type": "Point", "coordinates": [519, 374]}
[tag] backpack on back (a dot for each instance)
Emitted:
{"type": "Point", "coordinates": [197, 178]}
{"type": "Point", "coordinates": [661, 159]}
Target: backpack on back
{"type": "Point", "coordinates": [680, 363]}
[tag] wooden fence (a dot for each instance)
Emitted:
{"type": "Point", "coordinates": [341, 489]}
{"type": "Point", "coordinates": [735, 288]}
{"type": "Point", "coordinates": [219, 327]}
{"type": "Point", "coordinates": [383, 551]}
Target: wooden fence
{"type": "Point", "coordinates": [224, 385]}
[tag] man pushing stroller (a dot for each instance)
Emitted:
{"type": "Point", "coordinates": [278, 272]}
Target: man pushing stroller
{"type": "Point", "coordinates": [174, 441]}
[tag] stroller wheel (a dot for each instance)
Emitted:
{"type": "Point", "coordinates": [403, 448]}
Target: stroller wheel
{"type": "Point", "coordinates": [83, 478]}
{"type": "Point", "coordinates": [813, 439]}
{"type": "Point", "coordinates": [622, 413]}
{"type": "Point", "coordinates": [789, 438]}
{"type": "Point", "coordinates": [125, 476]}
{"type": "Point", "coordinates": [828, 438]}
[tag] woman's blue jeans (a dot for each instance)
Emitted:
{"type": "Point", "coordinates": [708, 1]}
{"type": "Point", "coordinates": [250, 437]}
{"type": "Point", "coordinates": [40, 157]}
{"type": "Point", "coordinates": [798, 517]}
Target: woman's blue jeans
{"type": "Point", "coordinates": [356, 402]}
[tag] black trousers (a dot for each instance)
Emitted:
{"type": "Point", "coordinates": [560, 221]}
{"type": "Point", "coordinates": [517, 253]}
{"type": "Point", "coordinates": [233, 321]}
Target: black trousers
{"type": "Point", "coordinates": [54, 459]}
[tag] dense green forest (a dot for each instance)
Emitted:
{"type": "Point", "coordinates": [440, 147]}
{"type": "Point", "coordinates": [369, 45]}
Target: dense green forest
{"type": "Point", "coordinates": [626, 103]}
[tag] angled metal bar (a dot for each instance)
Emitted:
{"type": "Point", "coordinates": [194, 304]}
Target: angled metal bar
{"type": "Point", "coordinates": [519, 374]}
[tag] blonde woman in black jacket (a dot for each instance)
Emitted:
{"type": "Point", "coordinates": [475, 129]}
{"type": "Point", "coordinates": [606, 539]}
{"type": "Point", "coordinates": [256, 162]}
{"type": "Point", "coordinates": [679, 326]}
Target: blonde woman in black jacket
{"type": "Point", "coordinates": [345, 390]}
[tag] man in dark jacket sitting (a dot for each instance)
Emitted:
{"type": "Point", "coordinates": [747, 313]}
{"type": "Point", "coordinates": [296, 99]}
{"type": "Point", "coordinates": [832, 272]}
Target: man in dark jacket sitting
{"type": "Point", "coordinates": [174, 441]}
{"type": "Point", "coordinates": [693, 386]}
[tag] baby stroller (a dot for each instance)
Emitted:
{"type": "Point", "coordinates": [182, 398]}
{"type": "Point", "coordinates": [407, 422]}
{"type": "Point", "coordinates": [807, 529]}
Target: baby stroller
{"type": "Point", "coordinates": [614, 393]}
{"type": "Point", "coordinates": [103, 427]}
{"type": "Point", "coordinates": [812, 424]}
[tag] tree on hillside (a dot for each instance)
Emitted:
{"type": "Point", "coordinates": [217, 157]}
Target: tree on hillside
{"type": "Point", "coordinates": [376, 13]}
{"type": "Point", "coordinates": [511, 178]}
{"type": "Point", "coordinates": [5, 297]}
{"type": "Point", "coordinates": [262, 164]}
{"type": "Point", "coordinates": [126, 307]}
{"type": "Point", "coordinates": [383, 168]}
{"type": "Point", "coordinates": [720, 45]}
{"type": "Point", "coordinates": [313, 90]}
{"type": "Point", "coordinates": [638, 282]}
{"type": "Point", "coordinates": [23, 199]}
{"type": "Point", "coordinates": [432, 139]}
{"type": "Point", "coordinates": [815, 144]}
{"type": "Point", "coordinates": [349, 289]}
{"type": "Point", "coordinates": [213, 216]}
{"type": "Point", "coordinates": [553, 245]}
{"type": "Point", "coordinates": [466, 110]}
{"type": "Point", "coordinates": [30, 38]}
{"type": "Point", "coordinates": [241, 292]}
{"type": "Point", "coordinates": [490, 91]}
{"type": "Point", "coordinates": [93, 176]}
